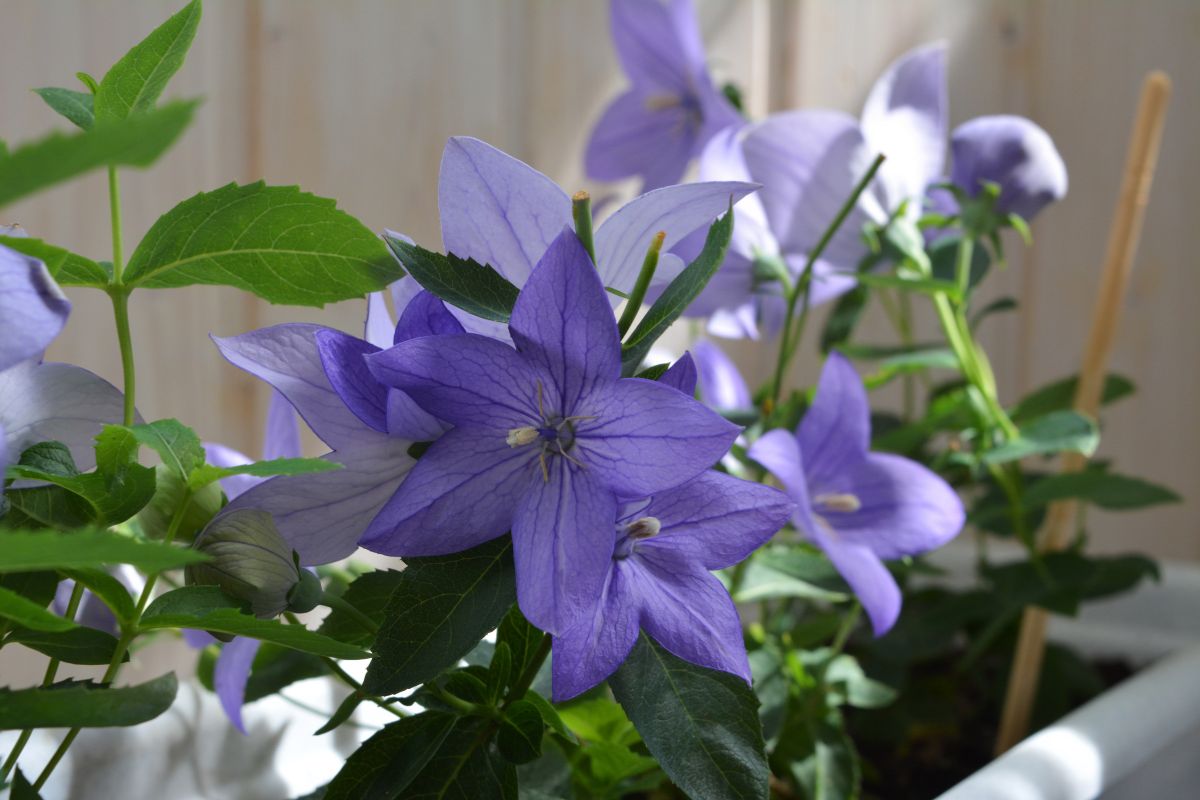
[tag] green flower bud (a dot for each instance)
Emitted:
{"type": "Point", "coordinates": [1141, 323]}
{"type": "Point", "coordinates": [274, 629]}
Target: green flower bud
{"type": "Point", "coordinates": [250, 561]}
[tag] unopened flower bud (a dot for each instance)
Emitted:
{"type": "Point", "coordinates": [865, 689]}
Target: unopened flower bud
{"type": "Point", "coordinates": [1013, 153]}
{"type": "Point", "coordinates": [251, 562]}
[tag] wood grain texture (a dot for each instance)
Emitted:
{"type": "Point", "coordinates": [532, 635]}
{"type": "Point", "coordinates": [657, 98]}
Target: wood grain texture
{"type": "Point", "coordinates": [355, 99]}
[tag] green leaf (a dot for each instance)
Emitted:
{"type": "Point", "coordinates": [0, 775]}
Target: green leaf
{"type": "Point", "coordinates": [476, 288]}
{"type": "Point", "coordinates": [1068, 579]}
{"type": "Point", "coordinates": [40, 587]}
{"type": "Point", "coordinates": [275, 668]}
{"type": "Point", "coordinates": [134, 83]}
{"type": "Point", "coordinates": [1057, 432]}
{"type": "Point", "coordinates": [702, 725]}
{"type": "Point", "coordinates": [791, 572]}
{"type": "Point", "coordinates": [74, 704]}
{"type": "Point", "coordinates": [22, 789]}
{"type": "Point", "coordinates": [840, 323]}
{"type": "Point", "coordinates": [206, 474]}
{"type": "Point", "coordinates": [45, 507]}
{"type": "Point", "coordinates": [551, 717]}
{"type": "Point", "coordinates": [29, 614]}
{"type": "Point", "coordinates": [79, 645]}
{"type": "Point", "coordinates": [523, 641]}
{"type": "Point", "coordinates": [466, 767]}
{"type": "Point", "coordinates": [155, 519]}
{"type": "Point", "coordinates": [678, 295]}
{"type": "Point", "coordinates": [520, 736]}
{"type": "Point", "coordinates": [110, 590]}
{"type": "Point", "coordinates": [207, 608]}
{"type": "Point", "coordinates": [137, 141]}
{"type": "Point", "coordinates": [117, 490]}
{"type": "Point", "coordinates": [1104, 489]}
{"type": "Point", "coordinates": [369, 593]}
{"type": "Point", "coordinates": [499, 672]}
{"type": "Point", "coordinates": [66, 268]}
{"type": "Point", "coordinates": [823, 761]}
{"type": "Point", "coordinates": [908, 284]}
{"type": "Point", "coordinates": [176, 444]}
{"type": "Point", "coordinates": [440, 609]}
{"type": "Point", "coordinates": [1060, 396]}
{"type": "Point", "coordinates": [75, 106]}
{"type": "Point", "coordinates": [384, 765]}
{"type": "Point", "coordinates": [943, 257]}
{"type": "Point", "coordinates": [997, 306]}
{"type": "Point", "coordinates": [343, 712]}
{"type": "Point", "coordinates": [25, 551]}
{"type": "Point", "coordinates": [282, 244]}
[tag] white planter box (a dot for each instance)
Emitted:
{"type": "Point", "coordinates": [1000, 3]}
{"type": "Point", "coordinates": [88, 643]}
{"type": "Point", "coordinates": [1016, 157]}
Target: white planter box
{"type": "Point", "coordinates": [1138, 741]}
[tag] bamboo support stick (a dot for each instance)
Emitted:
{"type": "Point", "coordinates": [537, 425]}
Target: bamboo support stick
{"type": "Point", "coordinates": [1114, 281]}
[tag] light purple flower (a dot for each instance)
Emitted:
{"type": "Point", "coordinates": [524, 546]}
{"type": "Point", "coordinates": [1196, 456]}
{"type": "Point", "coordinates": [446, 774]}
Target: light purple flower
{"type": "Point", "coordinates": [42, 402]}
{"type": "Point", "coordinates": [1014, 153]}
{"type": "Point", "coordinates": [808, 163]}
{"type": "Point", "coordinates": [721, 384]}
{"type": "Point", "coordinates": [659, 581]}
{"type": "Point", "coordinates": [656, 127]}
{"type": "Point", "coordinates": [502, 212]}
{"type": "Point", "coordinates": [859, 507]}
{"type": "Point", "coordinates": [92, 612]}
{"type": "Point", "coordinates": [546, 437]}
{"type": "Point", "coordinates": [369, 426]}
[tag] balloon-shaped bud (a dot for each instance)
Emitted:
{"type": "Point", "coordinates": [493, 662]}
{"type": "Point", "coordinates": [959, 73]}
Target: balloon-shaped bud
{"type": "Point", "coordinates": [1014, 154]}
{"type": "Point", "coordinates": [249, 561]}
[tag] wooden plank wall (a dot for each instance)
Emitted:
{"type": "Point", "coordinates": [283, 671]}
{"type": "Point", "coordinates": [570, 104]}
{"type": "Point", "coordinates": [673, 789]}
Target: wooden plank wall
{"type": "Point", "coordinates": [354, 100]}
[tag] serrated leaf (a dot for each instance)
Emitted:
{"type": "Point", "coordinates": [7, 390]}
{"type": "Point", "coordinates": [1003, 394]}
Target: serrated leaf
{"type": "Point", "coordinates": [29, 614]}
{"type": "Point", "coordinates": [475, 288]}
{"type": "Point", "coordinates": [1057, 432]}
{"type": "Point", "coordinates": [137, 141]}
{"type": "Point", "coordinates": [176, 444]}
{"type": "Point", "coordinates": [701, 725]}
{"type": "Point", "coordinates": [466, 767]}
{"type": "Point", "coordinates": [74, 704]}
{"type": "Point", "coordinates": [134, 83]}
{"type": "Point", "coordinates": [1060, 396]}
{"type": "Point", "coordinates": [110, 591]}
{"type": "Point", "coordinates": [1104, 489]}
{"type": "Point", "coordinates": [26, 551]}
{"type": "Point", "coordinates": [385, 764]}
{"type": "Point", "coordinates": [78, 107]}
{"type": "Point", "coordinates": [80, 645]}
{"type": "Point", "coordinates": [206, 474]}
{"type": "Point", "coordinates": [440, 609]}
{"type": "Point", "coordinates": [369, 593]}
{"type": "Point", "coordinates": [520, 736]}
{"type": "Point", "coordinates": [278, 242]}
{"type": "Point", "coordinates": [65, 267]}
{"type": "Point", "coordinates": [22, 789]}
{"type": "Point", "coordinates": [207, 608]}
{"type": "Point", "coordinates": [678, 295]}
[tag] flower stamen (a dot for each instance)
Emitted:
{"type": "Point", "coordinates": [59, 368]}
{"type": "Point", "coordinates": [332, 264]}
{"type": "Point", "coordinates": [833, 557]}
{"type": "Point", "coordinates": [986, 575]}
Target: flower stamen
{"type": "Point", "coordinates": [836, 501]}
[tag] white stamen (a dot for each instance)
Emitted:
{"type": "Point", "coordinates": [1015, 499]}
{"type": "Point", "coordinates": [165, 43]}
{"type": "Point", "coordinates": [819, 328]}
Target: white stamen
{"type": "Point", "coordinates": [644, 528]}
{"type": "Point", "coordinates": [838, 502]}
{"type": "Point", "coordinates": [519, 437]}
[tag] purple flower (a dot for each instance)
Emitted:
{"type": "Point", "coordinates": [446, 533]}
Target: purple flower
{"type": "Point", "coordinates": [672, 109]}
{"type": "Point", "coordinates": [659, 581]}
{"type": "Point", "coordinates": [808, 163]}
{"type": "Point", "coordinates": [721, 384]}
{"type": "Point", "coordinates": [546, 437]}
{"type": "Point", "coordinates": [368, 426]}
{"type": "Point", "coordinates": [859, 507]}
{"type": "Point", "coordinates": [1014, 153]}
{"type": "Point", "coordinates": [502, 212]}
{"type": "Point", "coordinates": [42, 402]}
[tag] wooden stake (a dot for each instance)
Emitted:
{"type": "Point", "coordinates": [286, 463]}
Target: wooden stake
{"type": "Point", "coordinates": [1114, 281]}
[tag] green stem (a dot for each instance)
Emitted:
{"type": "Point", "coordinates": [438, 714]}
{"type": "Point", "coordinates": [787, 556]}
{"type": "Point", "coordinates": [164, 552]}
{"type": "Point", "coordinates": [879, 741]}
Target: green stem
{"type": "Point", "coordinates": [581, 210]}
{"type": "Point", "coordinates": [787, 347]}
{"type": "Point", "coordinates": [128, 634]}
{"type": "Point", "coordinates": [47, 679]}
{"type": "Point", "coordinates": [847, 628]}
{"type": "Point", "coordinates": [120, 296]}
{"type": "Point", "coordinates": [643, 283]}
{"type": "Point", "coordinates": [340, 603]}
{"type": "Point", "coordinates": [349, 680]}
{"type": "Point", "coordinates": [530, 674]}
{"type": "Point", "coordinates": [114, 209]}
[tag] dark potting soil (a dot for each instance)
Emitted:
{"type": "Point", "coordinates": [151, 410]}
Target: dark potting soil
{"type": "Point", "coordinates": [943, 725]}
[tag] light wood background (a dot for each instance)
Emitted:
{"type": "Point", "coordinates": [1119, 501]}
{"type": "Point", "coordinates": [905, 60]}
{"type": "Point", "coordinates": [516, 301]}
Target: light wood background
{"type": "Point", "coordinates": [354, 100]}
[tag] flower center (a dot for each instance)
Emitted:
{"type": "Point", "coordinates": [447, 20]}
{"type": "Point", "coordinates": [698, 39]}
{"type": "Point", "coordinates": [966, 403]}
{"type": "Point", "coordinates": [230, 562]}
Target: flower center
{"type": "Point", "coordinates": [835, 501]}
{"type": "Point", "coordinates": [629, 535]}
{"type": "Point", "coordinates": [553, 433]}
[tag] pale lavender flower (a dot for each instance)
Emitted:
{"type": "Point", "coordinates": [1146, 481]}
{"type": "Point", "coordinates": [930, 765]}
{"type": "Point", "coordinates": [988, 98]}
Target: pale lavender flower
{"type": "Point", "coordinates": [808, 163]}
{"type": "Point", "coordinates": [502, 212]}
{"type": "Point", "coordinates": [860, 507]}
{"type": "Point", "coordinates": [33, 308]}
{"type": "Point", "coordinates": [1013, 153]}
{"type": "Point", "coordinates": [671, 110]}
{"type": "Point", "coordinates": [660, 581]}
{"type": "Point", "coordinates": [722, 386]}
{"type": "Point", "coordinates": [546, 437]}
